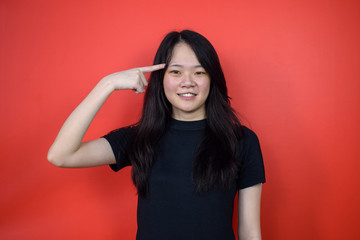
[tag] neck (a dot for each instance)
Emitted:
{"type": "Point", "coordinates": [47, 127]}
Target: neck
{"type": "Point", "coordinates": [188, 117]}
{"type": "Point", "coordinates": [195, 115]}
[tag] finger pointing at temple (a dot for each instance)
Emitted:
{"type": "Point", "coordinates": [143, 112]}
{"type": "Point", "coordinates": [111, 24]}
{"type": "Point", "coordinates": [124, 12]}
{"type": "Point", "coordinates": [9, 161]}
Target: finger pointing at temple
{"type": "Point", "coordinates": [153, 68]}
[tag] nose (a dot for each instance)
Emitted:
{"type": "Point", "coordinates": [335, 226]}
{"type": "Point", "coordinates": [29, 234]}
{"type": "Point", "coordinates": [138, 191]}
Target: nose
{"type": "Point", "coordinates": [187, 81]}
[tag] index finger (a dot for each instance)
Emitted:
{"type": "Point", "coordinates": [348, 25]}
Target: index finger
{"type": "Point", "coordinates": [152, 68]}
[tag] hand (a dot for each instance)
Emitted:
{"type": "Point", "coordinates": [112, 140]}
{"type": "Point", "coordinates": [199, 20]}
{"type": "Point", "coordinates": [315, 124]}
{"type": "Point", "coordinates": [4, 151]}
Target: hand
{"type": "Point", "coordinates": [133, 79]}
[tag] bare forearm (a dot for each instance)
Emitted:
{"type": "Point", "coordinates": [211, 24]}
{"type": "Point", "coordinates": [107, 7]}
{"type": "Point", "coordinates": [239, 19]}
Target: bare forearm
{"type": "Point", "coordinates": [73, 130]}
{"type": "Point", "coordinates": [250, 238]}
{"type": "Point", "coordinates": [255, 235]}
{"type": "Point", "coordinates": [249, 213]}
{"type": "Point", "coordinates": [67, 149]}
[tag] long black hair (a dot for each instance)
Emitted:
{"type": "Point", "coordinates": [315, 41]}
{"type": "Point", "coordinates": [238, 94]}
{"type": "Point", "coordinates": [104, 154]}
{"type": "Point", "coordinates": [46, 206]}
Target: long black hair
{"type": "Point", "coordinates": [214, 163]}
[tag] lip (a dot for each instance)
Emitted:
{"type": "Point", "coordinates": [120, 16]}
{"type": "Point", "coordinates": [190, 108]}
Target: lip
{"type": "Point", "coordinates": [187, 95]}
{"type": "Point", "coordinates": [190, 93]}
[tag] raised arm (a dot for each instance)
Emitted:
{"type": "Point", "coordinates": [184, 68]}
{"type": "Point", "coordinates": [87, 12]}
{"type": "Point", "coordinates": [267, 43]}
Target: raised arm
{"type": "Point", "coordinates": [68, 150]}
{"type": "Point", "coordinates": [249, 213]}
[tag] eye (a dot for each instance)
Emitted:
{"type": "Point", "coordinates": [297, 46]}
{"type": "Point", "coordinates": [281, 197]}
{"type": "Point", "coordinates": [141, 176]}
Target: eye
{"type": "Point", "coordinates": [176, 72]}
{"type": "Point", "coordinates": [200, 73]}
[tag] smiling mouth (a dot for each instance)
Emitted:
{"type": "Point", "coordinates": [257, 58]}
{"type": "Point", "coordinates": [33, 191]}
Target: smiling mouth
{"type": "Point", "coordinates": [187, 94]}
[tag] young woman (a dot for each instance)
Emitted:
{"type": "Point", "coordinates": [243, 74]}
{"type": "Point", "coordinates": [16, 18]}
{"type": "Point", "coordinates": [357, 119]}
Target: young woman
{"type": "Point", "coordinates": [189, 153]}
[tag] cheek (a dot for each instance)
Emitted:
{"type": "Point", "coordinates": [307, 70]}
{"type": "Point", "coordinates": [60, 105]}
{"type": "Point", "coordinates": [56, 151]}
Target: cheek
{"type": "Point", "coordinates": [204, 86]}
{"type": "Point", "coordinates": [169, 85]}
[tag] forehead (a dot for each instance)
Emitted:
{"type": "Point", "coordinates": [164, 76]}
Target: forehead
{"type": "Point", "coordinates": [183, 55]}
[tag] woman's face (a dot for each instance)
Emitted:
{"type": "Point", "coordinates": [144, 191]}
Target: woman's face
{"type": "Point", "coordinates": [186, 84]}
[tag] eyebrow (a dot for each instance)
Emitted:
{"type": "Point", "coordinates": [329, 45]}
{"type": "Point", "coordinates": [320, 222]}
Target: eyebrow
{"type": "Point", "coordinates": [182, 66]}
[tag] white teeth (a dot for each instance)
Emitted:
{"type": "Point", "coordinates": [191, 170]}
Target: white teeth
{"type": "Point", "coordinates": [187, 94]}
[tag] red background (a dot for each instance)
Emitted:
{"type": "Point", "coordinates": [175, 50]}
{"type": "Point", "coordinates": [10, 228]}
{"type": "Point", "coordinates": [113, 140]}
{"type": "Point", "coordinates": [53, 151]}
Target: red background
{"type": "Point", "coordinates": [293, 73]}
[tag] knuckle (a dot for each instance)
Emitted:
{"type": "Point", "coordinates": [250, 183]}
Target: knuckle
{"type": "Point", "coordinates": [138, 71]}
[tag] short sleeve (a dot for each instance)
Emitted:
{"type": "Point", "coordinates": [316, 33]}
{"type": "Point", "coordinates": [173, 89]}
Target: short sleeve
{"type": "Point", "coordinates": [252, 169]}
{"type": "Point", "coordinates": [119, 141]}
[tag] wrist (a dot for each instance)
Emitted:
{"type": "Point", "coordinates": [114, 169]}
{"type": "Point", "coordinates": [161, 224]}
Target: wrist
{"type": "Point", "coordinates": [106, 85]}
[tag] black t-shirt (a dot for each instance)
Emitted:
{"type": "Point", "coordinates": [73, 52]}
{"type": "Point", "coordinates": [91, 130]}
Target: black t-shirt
{"type": "Point", "coordinates": [172, 209]}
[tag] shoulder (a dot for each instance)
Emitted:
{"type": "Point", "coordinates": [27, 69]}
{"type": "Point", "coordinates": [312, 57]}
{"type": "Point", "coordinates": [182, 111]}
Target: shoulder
{"type": "Point", "coordinates": [120, 140]}
{"type": "Point", "coordinates": [121, 132]}
{"type": "Point", "coordinates": [246, 136]}
{"type": "Point", "coordinates": [249, 135]}
{"type": "Point", "coordinates": [250, 159]}
{"type": "Point", "coordinates": [249, 143]}
{"type": "Point", "coordinates": [121, 136]}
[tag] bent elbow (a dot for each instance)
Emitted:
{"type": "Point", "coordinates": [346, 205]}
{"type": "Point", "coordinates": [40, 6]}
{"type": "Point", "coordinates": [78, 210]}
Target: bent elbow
{"type": "Point", "coordinates": [54, 160]}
